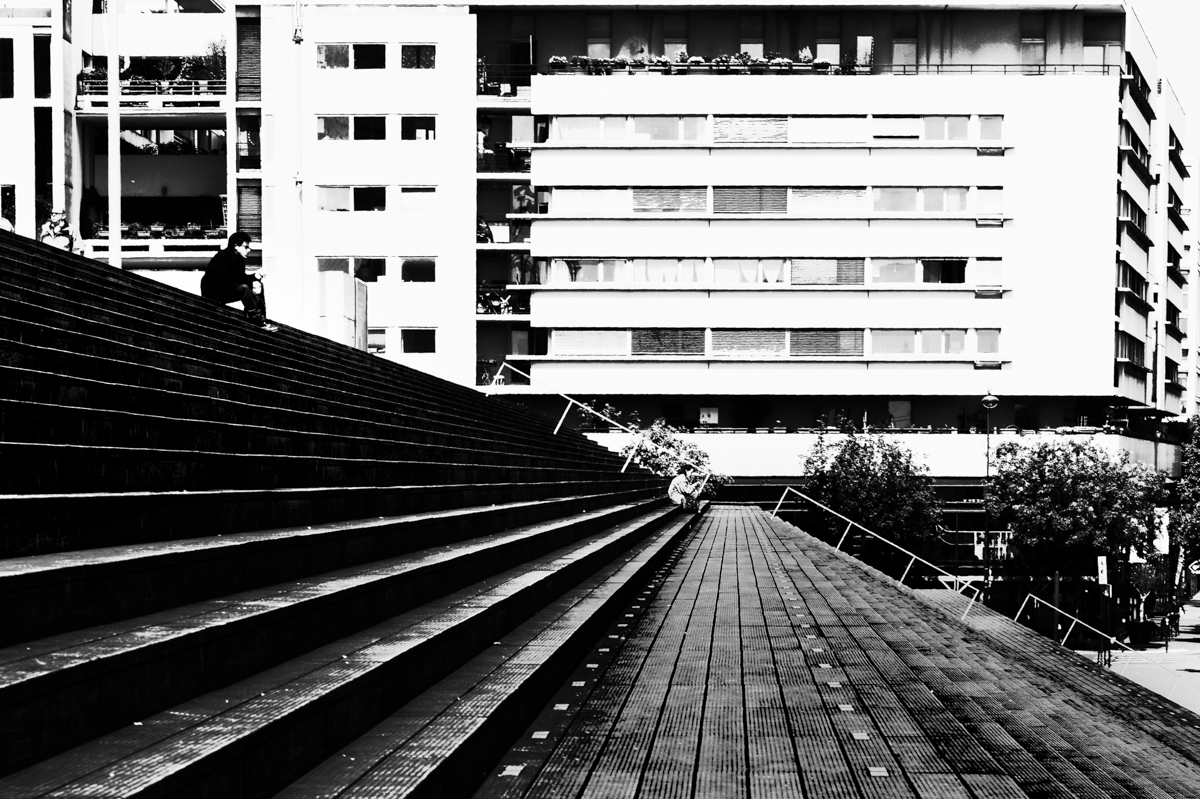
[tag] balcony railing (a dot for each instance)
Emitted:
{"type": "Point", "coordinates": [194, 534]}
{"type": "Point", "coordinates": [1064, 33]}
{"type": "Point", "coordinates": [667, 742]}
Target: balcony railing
{"type": "Point", "coordinates": [503, 159]}
{"type": "Point", "coordinates": [90, 86]}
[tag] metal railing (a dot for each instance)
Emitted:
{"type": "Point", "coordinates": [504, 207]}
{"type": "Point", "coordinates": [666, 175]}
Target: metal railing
{"type": "Point", "coordinates": [93, 86]}
{"type": "Point", "coordinates": [503, 159]}
{"type": "Point", "coordinates": [640, 438]}
{"type": "Point", "coordinates": [959, 583]}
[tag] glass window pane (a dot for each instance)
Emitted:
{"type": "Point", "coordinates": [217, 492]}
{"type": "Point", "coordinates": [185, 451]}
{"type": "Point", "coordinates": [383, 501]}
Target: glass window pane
{"type": "Point", "coordinates": [894, 342]}
{"type": "Point", "coordinates": [370, 56]}
{"type": "Point", "coordinates": [956, 199]}
{"type": "Point", "coordinates": [614, 128]}
{"type": "Point", "coordinates": [418, 340]}
{"type": "Point", "coordinates": [370, 128]}
{"type": "Point", "coordinates": [955, 341]}
{"type": "Point", "coordinates": [829, 51]}
{"type": "Point", "coordinates": [334, 128]}
{"type": "Point", "coordinates": [418, 270]}
{"type": "Point", "coordinates": [933, 199]}
{"type": "Point", "coordinates": [935, 128]}
{"type": "Point", "coordinates": [895, 199]}
{"type": "Point", "coordinates": [333, 56]}
{"type": "Point", "coordinates": [989, 128]}
{"type": "Point", "coordinates": [727, 270]}
{"type": "Point", "coordinates": [370, 198]}
{"type": "Point", "coordinates": [695, 128]}
{"type": "Point", "coordinates": [369, 270]}
{"type": "Point", "coordinates": [987, 342]}
{"type": "Point", "coordinates": [577, 128]}
{"type": "Point", "coordinates": [893, 270]}
{"type": "Point", "coordinates": [655, 128]}
{"type": "Point", "coordinates": [418, 128]}
{"type": "Point", "coordinates": [661, 270]}
{"type": "Point", "coordinates": [956, 128]}
{"type": "Point", "coordinates": [774, 271]}
{"type": "Point", "coordinates": [333, 198]}
{"type": "Point", "coordinates": [691, 270]}
{"type": "Point", "coordinates": [599, 49]}
{"type": "Point", "coordinates": [333, 265]}
{"type": "Point", "coordinates": [417, 56]}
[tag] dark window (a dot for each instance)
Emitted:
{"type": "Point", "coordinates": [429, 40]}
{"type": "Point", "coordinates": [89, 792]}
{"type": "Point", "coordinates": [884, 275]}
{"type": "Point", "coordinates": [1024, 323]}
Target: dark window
{"type": "Point", "coordinates": [333, 56]}
{"type": "Point", "coordinates": [370, 127]}
{"type": "Point", "coordinates": [749, 199]}
{"type": "Point", "coordinates": [654, 341]}
{"type": "Point", "coordinates": [336, 128]}
{"type": "Point", "coordinates": [369, 270]}
{"type": "Point", "coordinates": [8, 204]}
{"type": "Point", "coordinates": [949, 271]}
{"type": "Point", "coordinates": [333, 264]}
{"type": "Point", "coordinates": [41, 66]}
{"type": "Point", "coordinates": [417, 340]}
{"type": "Point", "coordinates": [417, 270]}
{"type": "Point", "coordinates": [827, 342]}
{"type": "Point", "coordinates": [370, 198]}
{"type": "Point", "coordinates": [412, 128]}
{"type": "Point", "coordinates": [417, 56]}
{"type": "Point", "coordinates": [6, 68]}
{"type": "Point", "coordinates": [370, 56]}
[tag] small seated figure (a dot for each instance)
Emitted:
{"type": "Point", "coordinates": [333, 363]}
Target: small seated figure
{"type": "Point", "coordinates": [225, 280]}
{"type": "Point", "coordinates": [684, 490]}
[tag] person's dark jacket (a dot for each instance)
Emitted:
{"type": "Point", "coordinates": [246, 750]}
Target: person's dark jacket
{"type": "Point", "coordinates": [226, 269]}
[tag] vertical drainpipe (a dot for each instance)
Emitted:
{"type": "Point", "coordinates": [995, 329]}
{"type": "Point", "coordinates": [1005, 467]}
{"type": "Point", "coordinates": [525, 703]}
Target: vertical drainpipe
{"type": "Point", "coordinates": [114, 134]}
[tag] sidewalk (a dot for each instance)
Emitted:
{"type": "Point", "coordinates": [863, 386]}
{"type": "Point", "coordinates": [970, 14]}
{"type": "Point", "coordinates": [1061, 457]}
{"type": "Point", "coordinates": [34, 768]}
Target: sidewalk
{"type": "Point", "coordinates": [1171, 670]}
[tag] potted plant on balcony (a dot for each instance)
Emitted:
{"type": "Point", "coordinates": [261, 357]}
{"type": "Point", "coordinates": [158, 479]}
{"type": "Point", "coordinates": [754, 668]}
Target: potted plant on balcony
{"type": "Point", "coordinates": [721, 63]}
{"type": "Point", "coordinates": [758, 65]}
{"type": "Point", "coordinates": [849, 64]}
{"type": "Point", "coordinates": [820, 66]}
{"type": "Point", "coordinates": [781, 64]}
{"type": "Point", "coordinates": [619, 63]}
{"type": "Point", "coordinates": [661, 63]}
{"type": "Point", "coordinates": [741, 61]}
{"type": "Point", "coordinates": [558, 63]}
{"type": "Point", "coordinates": [580, 63]}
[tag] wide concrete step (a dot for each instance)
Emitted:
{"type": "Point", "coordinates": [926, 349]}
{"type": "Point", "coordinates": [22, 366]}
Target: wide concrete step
{"type": "Point", "coordinates": [306, 358]}
{"type": "Point", "coordinates": [443, 742]}
{"type": "Point", "coordinates": [32, 524]}
{"type": "Point", "coordinates": [69, 468]}
{"type": "Point", "coordinates": [40, 346]}
{"type": "Point", "coordinates": [48, 594]}
{"type": "Point", "coordinates": [132, 388]}
{"type": "Point", "coordinates": [35, 422]}
{"type": "Point", "coordinates": [255, 734]}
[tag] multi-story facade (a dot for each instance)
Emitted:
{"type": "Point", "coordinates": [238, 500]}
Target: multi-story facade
{"type": "Point", "coordinates": [733, 246]}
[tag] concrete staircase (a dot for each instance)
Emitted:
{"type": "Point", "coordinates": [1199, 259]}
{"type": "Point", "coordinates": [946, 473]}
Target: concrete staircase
{"type": "Point", "coordinates": [225, 555]}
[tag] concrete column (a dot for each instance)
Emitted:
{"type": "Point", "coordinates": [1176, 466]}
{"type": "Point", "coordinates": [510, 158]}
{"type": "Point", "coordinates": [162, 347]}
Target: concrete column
{"type": "Point", "coordinates": [114, 134]}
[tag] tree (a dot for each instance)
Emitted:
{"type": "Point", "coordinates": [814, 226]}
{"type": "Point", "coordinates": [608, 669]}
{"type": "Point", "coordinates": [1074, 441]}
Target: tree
{"type": "Point", "coordinates": [1067, 502]}
{"type": "Point", "coordinates": [875, 482]}
{"type": "Point", "coordinates": [660, 449]}
{"type": "Point", "coordinates": [1185, 516]}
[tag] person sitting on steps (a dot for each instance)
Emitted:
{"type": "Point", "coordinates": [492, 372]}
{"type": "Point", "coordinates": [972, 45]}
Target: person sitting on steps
{"type": "Point", "coordinates": [225, 280]}
{"type": "Point", "coordinates": [684, 491]}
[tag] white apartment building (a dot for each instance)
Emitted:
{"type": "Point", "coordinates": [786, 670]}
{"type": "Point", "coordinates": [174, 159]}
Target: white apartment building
{"type": "Point", "coordinates": [995, 203]}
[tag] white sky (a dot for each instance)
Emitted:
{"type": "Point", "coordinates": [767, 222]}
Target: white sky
{"type": "Point", "coordinates": [1172, 26]}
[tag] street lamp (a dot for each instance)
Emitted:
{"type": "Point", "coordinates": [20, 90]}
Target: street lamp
{"type": "Point", "coordinates": [989, 403]}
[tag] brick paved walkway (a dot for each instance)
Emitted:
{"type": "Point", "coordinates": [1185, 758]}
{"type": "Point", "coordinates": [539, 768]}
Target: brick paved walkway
{"type": "Point", "coordinates": [765, 664]}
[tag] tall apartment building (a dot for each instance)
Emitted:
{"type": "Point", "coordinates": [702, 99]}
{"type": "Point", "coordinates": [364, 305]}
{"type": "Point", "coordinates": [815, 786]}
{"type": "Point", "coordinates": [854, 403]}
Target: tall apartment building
{"type": "Point", "coordinates": [948, 201]}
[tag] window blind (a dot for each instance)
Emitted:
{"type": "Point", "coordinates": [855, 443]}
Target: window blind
{"type": "Point", "coordinates": [668, 341]}
{"type": "Point", "coordinates": [827, 342]}
{"type": "Point", "coordinates": [669, 199]}
{"type": "Point", "coordinates": [590, 342]}
{"type": "Point", "coordinates": [749, 200]}
{"type": "Point", "coordinates": [747, 341]}
{"type": "Point", "coordinates": [750, 129]}
{"type": "Point", "coordinates": [827, 271]}
{"type": "Point", "coordinates": [827, 200]}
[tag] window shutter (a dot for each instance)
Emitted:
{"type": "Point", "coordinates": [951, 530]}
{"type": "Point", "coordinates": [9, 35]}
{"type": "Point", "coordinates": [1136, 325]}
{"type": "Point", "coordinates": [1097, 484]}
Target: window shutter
{"type": "Point", "coordinates": [590, 342]}
{"type": "Point", "coordinates": [249, 59]}
{"type": "Point", "coordinates": [249, 210]}
{"type": "Point", "coordinates": [850, 271]}
{"type": "Point", "coordinates": [828, 201]}
{"type": "Point", "coordinates": [750, 129]}
{"type": "Point", "coordinates": [827, 342]}
{"type": "Point", "coordinates": [668, 342]}
{"type": "Point", "coordinates": [669, 199]}
{"type": "Point", "coordinates": [750, 199]}
{"type": "Point", "coordinates": [748, 341]}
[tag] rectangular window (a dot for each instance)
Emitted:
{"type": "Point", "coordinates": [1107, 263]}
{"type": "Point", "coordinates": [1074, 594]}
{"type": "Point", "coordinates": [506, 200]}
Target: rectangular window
{"type": "Point", "coordinates": [944, 271]}
{"type": "Point", "coordinates": [370, 128]}
{"type": "Point", "coordinates": [893, 342]}
{"type": "Point", "coordinates": [895, 199]}
{"type": "Point", "coordinates": [951, 200]}
{"type": "Point", "coordinates": [333, 128]}
{"type": "Point", "coordinates": [668, 341]}
{"type": "Point", "coordinates": [750, 40]}
{"type": "Point", "coordinates": [418, 128]}
{"type": "Point", "coordinates": [827, 342]}
{"type": "Point", "coordinates": [748, 342]}
{"type": "Point", "coordinates": [369, 270]}
{"type": "Point", "coordinates": [827, 271]}
{"type": "Point", "coordinates": [333, 56]}
{"type": "Point", "coordinates": [990, 128]}
{"type": "Point", "coordinates": [41, 65]}
{"type": "Point", "coordinates": [946, 128]}
{"type": "Point", "coordinates": [656, 129]}
{"type": "Point", "coordinates": [417, 56]}
{"type": "Point", "coordinates": [8, 204]}
{"type": "Point", "coordinates": [943, 342]}
{"type": "Point", "coordinates": [904, 41]}
{"type": "Point", "coordinates": [417, 198]}
{"type": "Point", "coordinates": [370, 198]}
{"type": "Point", "coordinates": [599, 36]}
{"type": "Point", "coordinates": [670, 200]}
{"type": "Point", "coordinates": [735, 270]}
{"type": "Point", "coordinates": [827, 201]}
{"type": "Point", "coordinates": [418, 270]}
{"type": "Point", "coordinates": [750, 129]}
{"type": "Point", "coordinates": [6, 68]}
{"type": "Point", "coordinates": [897, 127]}
{"type": "Point", "coordinates": [333, 198]}
{"type": "Point", "coordinates": [418, 340]}
{"type": "Point", "coordinates": [333, 265]}
{"type": "Point", "coordinates": [829, 38]}
{"type": "Point", "coordinates": [987, 342]}
{"type": "Point", "coordinates": [675, 34]}
{"type": "Point", "coordinates": [370, 56]}
{"type": "Point", "coordinates": [893, 270]}
{"type": "Point", "coordinates": [820, 130]}
{"type": "Point", "coordinates": [750, 199]}
{"type": "Point", "coordinates": [590, 342]}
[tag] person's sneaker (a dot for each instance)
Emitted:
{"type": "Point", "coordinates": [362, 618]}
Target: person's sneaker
{"type": "Point", "coordinates": [267, 327]}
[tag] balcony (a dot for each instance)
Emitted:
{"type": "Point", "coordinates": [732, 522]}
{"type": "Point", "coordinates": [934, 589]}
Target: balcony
{"type": "Point", "coordinates": [93, 93]}
{"type": "Point", "coordinates": [500, 304]}
{"type": "Point", "coordinates": [1175, 214]}
{"type": "Point", "coordinates": [1177, 161]}
{"type": "Point", "coordinates": [501, 233]}
{"type": "Point", "coordinates": [504, 160]}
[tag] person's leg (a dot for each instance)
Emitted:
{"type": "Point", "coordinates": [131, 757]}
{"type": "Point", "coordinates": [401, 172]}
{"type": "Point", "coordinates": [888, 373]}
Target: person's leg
{"type": "Point", "coordinates": [250, 302]}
